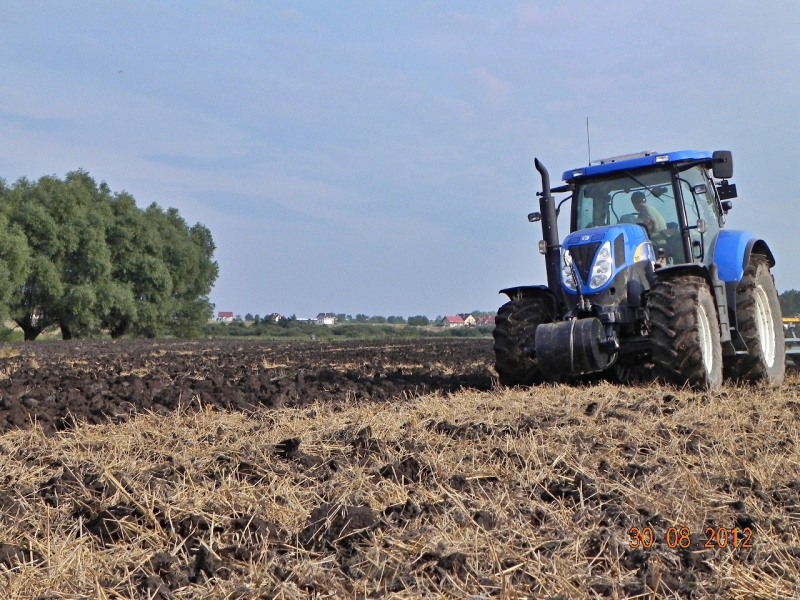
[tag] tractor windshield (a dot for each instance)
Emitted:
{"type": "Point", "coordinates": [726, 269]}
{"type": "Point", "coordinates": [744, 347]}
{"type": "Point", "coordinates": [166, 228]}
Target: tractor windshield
{"type": "Point", "coordinates": [643, 196]}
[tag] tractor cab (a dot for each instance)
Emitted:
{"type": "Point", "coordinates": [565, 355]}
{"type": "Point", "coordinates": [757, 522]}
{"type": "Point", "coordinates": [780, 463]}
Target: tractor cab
{"type": "Point", "coordinates": [672, 196]}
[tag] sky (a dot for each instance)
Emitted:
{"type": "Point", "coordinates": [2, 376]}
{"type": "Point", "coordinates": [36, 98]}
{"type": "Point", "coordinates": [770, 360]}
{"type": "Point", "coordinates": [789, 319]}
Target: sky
{"type": "Point", "coordinates": [377, 157]}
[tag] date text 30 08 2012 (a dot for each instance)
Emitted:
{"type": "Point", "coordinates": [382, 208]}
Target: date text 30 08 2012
{"type": "Point", "coordinates": [682, 537]}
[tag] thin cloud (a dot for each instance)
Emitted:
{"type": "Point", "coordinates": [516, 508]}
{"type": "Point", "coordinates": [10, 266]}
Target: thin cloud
{"type": "Point", "coordinates": [254, 207]}
{"type": "Point", "coordinates": [497, 91]}
{"type": "Point", "coordinates": [31, 123]}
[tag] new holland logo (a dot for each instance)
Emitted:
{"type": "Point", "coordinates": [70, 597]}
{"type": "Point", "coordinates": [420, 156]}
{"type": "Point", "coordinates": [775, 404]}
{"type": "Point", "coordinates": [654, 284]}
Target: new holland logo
{"type": "Point", "coordinates": [585, 238]}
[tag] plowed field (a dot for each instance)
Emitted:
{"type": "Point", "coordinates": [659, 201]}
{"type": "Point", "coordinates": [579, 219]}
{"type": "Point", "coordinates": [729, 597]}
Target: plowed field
{"type": "Point", "coordinates": [247, 470]}
{"type": "Point", "coordinates": [62, 383]}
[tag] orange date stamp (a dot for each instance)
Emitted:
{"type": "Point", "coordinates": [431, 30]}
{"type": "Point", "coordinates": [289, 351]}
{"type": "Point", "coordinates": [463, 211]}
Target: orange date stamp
{"type": "Point", "coordinates": [682, 537]}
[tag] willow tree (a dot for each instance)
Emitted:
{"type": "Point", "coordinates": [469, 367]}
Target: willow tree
{"type": "Point", "coordinates": [86, 260]}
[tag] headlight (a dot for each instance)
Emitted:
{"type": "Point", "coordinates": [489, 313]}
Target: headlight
{"type": "Point", "coordinates": [567, 276]}
{"type": "Point", "coordinates": [603, 267]}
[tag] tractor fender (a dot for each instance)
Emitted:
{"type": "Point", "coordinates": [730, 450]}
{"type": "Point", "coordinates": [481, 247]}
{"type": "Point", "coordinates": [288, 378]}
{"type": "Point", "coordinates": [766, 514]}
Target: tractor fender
{"type": "Point", "coordinates": [732, 254]}
{"type": "Point", "coordinates": [535, 291]}
{"type": "Point", "coordinates": [684, 269]}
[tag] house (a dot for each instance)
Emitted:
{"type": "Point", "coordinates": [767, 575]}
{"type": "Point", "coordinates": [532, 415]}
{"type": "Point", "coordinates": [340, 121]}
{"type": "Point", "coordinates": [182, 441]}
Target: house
{"type": "Point", "coordinates": [225, 317]}
{"type": "Point", "coordinates": [469, 320]}
{"type": "Point", "coordinates": [326, 319]}
{"type": "Point", "coordinates": [455, 321]}
{"type": "Point", "coordinates": [484, 320]}
{"type": "Point", "coordinates": [275, 317]}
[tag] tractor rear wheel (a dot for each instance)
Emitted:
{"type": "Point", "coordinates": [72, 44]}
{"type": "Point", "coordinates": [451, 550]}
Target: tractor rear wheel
{"type": "Point", "coordinates": [514, 334]}
{"type": "Point", "coordinates": [684, 332]}
{"type": "Point", "coordinates": [758, 314]}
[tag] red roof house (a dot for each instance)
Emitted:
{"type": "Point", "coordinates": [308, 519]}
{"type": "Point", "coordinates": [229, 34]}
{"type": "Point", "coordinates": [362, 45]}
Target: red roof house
{"type": "Point", "coordinates": [455, 321]}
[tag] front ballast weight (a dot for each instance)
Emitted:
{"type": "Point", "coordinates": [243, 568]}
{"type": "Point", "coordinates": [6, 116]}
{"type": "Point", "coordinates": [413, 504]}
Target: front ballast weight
{"type": "Point", "coordinates": [574, 347]}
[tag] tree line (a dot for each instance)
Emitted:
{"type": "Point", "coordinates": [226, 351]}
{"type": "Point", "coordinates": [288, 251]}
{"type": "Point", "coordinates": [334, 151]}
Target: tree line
{"type": "Point", "coordinates": [418, 320]}
{"type": "Point", "coordinates": [341, 318]}
{"type": "Point", "coordinates": [293, 329]}
{"type": "Point", "coordinates": [76, 256]}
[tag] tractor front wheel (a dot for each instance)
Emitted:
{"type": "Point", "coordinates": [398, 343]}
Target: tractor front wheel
{"type": "Point", "coordinates": [514, 335]}
{"type": "Point", "coordinates": [758, 314]}
{"type": "Point", "coordinates": [684, 332]}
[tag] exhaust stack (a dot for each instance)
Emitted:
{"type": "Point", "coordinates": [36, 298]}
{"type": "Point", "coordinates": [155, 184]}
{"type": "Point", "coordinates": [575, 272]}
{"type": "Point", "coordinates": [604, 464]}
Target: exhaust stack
{"type": "Point", "coordinates": [547, 206]}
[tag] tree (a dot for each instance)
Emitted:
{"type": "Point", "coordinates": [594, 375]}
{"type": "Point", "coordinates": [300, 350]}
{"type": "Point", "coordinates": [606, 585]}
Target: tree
{"type": "Point", "coordinates": [78, 257]}
{"type": "Point", "coordinates": [362, 318]}
{"type": "Point", "coordinates": [143, 278]}
{"type": "Point", "coordinates": [790, 303]}
{"type": "Point", "coordinates": [14, 259]}
{"type": "Point", "coordinates": [188, 254]}
{"type": "Point", "coordinates": [418, 321]}
{"type": "Point", "coordinates": [69, 262]}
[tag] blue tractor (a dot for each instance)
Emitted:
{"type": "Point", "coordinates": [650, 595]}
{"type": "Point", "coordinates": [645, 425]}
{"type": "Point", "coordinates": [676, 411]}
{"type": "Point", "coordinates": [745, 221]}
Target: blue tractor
{"type": "Point", "coordinates": [648, 283]}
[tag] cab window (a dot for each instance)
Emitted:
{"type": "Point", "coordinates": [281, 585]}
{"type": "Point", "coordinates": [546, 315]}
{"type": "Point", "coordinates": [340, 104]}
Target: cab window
{"type": "Point", "coordinates": [701, 212]}
{"type": "Point", "coordinates": [643, 197]}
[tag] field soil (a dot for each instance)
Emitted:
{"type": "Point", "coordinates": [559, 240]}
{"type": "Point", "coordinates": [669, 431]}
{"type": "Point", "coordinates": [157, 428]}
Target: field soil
{"type": "Point", "coordinates": [247, 470]}
{"type": "Point", "coordinates": [60, 384]}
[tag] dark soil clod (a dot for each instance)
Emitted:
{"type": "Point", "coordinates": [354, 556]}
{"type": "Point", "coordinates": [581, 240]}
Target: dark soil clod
{"type": "Point", "coordinates": [335, 524]}
{"type": "Point", "coordinates": [454, 564]}
{"type": "Point", "coordinates": [406, 470]}
{"type": "Point", "coordinates": [12, 556]}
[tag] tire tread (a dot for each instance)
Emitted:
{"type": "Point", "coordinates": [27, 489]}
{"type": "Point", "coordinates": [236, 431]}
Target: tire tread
{"type": "Point", "coordinates": [677, 356]}
{"type": "Point", "coordinates": [515, 329]}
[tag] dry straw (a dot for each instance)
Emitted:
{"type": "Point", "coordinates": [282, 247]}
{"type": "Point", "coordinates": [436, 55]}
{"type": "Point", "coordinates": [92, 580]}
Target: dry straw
{"type": "Point", "coordinates": [511, 493]}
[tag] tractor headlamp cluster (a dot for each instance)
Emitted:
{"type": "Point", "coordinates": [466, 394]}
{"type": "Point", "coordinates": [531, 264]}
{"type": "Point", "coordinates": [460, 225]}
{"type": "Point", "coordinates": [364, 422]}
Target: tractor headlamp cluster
{"type": "Point", "coordinates": [603, 267]}
{"type": "Point", "coordinates": [567, 274]}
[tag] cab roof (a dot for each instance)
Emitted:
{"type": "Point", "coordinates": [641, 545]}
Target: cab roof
{"type": "Point", "coordinates": [635, 161]}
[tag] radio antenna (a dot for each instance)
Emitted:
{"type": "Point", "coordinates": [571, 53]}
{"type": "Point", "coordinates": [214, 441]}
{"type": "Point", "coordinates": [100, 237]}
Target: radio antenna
{"type": "Point", "coordinates": [588, 143]}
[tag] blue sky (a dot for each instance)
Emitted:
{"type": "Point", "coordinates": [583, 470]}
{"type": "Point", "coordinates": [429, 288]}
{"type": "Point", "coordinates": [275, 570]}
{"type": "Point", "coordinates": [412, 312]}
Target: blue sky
{"type": "Point", "coordinates": [377, 157]}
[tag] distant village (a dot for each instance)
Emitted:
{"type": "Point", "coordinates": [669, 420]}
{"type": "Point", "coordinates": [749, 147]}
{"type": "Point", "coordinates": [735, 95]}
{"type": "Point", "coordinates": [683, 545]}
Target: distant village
{"type": "Point", "coordinates": [457, 320]}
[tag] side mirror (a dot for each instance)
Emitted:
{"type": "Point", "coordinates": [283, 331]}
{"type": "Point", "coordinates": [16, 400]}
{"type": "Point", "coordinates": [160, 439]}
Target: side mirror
{"type": "Point", "coordinates": [697, 249]}
{"type": "Point", "coordinates": [535, 217]}
{"type": "Point", "coordinates": [722, 164]}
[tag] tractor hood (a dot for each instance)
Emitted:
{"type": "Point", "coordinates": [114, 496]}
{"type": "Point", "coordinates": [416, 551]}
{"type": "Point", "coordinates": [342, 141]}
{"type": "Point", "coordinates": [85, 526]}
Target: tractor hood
{"type": "Point", "coordinates": [595, 256]}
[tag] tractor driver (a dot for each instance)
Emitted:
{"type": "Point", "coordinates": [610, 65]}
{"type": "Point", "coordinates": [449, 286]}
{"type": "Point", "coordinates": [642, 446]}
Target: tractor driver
{"type": "Point", "coordinates": [651, 218]}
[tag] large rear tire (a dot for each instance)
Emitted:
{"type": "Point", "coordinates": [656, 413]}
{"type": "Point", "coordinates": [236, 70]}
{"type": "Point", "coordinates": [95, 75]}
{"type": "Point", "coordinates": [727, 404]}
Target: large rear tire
{"type": "Point", "coordinates": [514, 335]}
{"type": "Point", "coordinates": [758, 314]}
{"type": "Point", "coordinates": [684, 332]}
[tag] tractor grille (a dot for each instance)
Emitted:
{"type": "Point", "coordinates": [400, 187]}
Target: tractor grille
{"type": "Point", "coordinates": [583, 255]}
